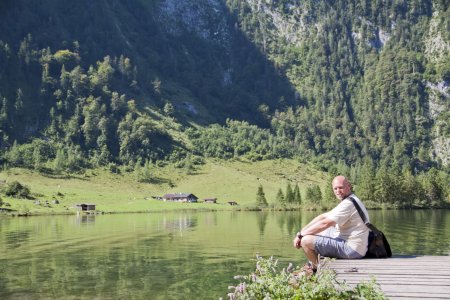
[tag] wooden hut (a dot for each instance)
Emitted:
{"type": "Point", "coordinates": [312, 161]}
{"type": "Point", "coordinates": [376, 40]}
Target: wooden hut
{"type": "Point", "coordinates": [85, 207]}
{"type": "Point", "coordinates": [180, 197]}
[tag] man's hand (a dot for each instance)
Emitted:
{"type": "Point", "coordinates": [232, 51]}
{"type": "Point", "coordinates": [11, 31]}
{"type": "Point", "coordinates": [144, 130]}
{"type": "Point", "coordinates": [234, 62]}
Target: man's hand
{"type": "Point", "coordinates": [298, 242]}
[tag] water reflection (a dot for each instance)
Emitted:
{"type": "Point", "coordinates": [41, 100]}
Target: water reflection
{"type": "Point", "coordinates": [14, 239]}
{"type": "Point", "coordinates": [181, 223]}
{"type": "Point", "coordinates": [261, 219]}
{"type": "Point", "coordinates": [85, 219]}
{"type": "Point", "coordinates": [417, 232]}
{"type": "Point", "coordinates": [173, 255]}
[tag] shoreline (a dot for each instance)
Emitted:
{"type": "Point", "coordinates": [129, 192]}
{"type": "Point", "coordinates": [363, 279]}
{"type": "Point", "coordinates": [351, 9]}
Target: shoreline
{"type": "Point", "coordinates": [10, 213]}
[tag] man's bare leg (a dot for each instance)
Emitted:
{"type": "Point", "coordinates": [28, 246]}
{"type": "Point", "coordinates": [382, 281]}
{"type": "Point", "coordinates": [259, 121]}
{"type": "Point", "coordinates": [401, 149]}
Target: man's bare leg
{"type": "Point", "coordinates": [308, 244]}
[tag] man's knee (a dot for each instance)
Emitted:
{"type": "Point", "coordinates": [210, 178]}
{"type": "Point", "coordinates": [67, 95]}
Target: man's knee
{"type": "Point", "coordinates": [308, 241]}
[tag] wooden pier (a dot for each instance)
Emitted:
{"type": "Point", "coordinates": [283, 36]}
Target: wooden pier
{"type": "Point", "coordinates": [400, 277]}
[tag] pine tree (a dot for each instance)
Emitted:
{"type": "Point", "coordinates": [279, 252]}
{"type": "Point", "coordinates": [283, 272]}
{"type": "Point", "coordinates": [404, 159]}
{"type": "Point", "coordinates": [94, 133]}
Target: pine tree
{"type": "Point", "coordinates": [261, 197]}
{"type": "Point", "coordinates": [125, 144]}
{"type": "Point", "coordinates": [104, 73]}
{"type": "Point", "coordinates": [280, 198]}
{"type": "Point", "coordinates": [297, 195]}
{"type": "Point", "coordinates": [73, 128]}
{"type": "Point", "coordinates": [4, 134]}
{"type": "Point", "coordinates": [64, 78]}
{"type": "Point", "coordinates": [289, 194]}
{"type": "Point", "coordinates": [124, 66]}
{"type": "Point", "coordinates": [118, 104]}
{"type": "Point", "coordinates": [75, 158]}
{"type": "Point", "coordinates": [25, 49]}
{"type": "Point", "coordinates": [309, 195]}
{"type": "Point", "coordinates": [411, 190]}
{"type": "Point", "coordinates": [102, 142]}
{"type": "Point", "coordinates": [434, 188]}
{"type": "Point", "coordinates": [168, 109]}
{"type": "Point", "coordinates": [188, 165]}
{"type": "Point", "coordinates": [52, 130]}
{"type": "Point", "coordinates": [90, 127]}
{"type": "Point", "coordinates": [317, 194]}
{"type": "Point", "coordinates": [313, 195]}
{"type": "Point", "coordinates": [60, 160]}
{"type": "Point", "coordinates": [14, 156]}
{"type": "Point", "coordinates": [385, 186]}
{"type": "Point", "coordinates": [104, 156]}
{"type": "Point", "coordinates": [143, 173]}
{"type": "Point", "coordinates": [147, 171]}
{"type": "Point", "coordinates": [329, 196]}
{"type": "Point", "coordinates": [18, 107]}
{"type": "Point", "coordinates": [365, 185]}
{"type": "Point", "coordinates": [37, 157]}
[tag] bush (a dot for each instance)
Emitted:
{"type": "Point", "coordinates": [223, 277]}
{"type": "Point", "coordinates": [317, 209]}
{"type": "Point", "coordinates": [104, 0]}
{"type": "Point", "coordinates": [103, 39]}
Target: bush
{"type": "Point", "coordinates": [29, 155]}
{"type": "Point", "coordinates": [66, 56]}
{"type": "Point", "coordinates": [114, 168]}
{"type": "Point", "coordinates": [17, 190]}
{"type": "Point", "coordinates": [268, 282]}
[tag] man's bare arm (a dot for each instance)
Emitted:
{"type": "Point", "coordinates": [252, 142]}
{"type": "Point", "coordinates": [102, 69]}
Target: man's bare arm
{"type": "Point", "coordinates": [317, 225]}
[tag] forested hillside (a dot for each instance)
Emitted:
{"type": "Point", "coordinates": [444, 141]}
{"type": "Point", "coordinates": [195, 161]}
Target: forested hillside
{"type": "Point", "coordinates": [97, 79]}
{"type": "Point", "coordinates": [357, 85]}
{"type": "Point", "coordinates": [367, 71]}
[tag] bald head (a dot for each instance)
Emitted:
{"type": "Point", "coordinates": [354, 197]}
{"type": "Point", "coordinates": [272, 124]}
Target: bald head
{"type": "Point", "coordinates": [341, 187]}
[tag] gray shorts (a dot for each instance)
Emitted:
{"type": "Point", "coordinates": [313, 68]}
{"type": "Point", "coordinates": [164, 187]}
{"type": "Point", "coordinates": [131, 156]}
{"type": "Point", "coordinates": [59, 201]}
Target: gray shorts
{"type": "Point", "coordinates": [334, 248]}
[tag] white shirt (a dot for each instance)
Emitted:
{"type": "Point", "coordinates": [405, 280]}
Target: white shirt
{"type": "Point", "coordinates": [349, 225]}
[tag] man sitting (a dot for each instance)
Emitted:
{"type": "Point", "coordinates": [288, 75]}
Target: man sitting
{"type": "Point", "coordinates": [339, 233]}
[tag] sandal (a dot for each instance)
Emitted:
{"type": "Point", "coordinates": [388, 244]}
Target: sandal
{"type": "Point", "coordinates": [306, 270]}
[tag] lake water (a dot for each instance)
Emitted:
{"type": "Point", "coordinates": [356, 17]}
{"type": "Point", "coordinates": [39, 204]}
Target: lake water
{"type": "Point", "coordinates": [172, 255]}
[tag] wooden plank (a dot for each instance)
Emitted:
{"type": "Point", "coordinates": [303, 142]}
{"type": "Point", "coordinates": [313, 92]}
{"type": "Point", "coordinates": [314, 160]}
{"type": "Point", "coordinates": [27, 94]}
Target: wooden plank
{"type": "Point", "coordinates": [400, 277]}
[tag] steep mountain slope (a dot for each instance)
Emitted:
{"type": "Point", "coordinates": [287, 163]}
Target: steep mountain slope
{"type": "Point", "coordinates": [119, 81]}
{"type": "Point", "coordinates": [366, 71]}
{"type": "Point", "coordinates": [191, 49]}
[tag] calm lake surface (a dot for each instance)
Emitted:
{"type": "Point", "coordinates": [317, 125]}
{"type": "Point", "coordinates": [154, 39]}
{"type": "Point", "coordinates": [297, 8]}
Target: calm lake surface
{"type": "Point", "coordinates": [172, 255]}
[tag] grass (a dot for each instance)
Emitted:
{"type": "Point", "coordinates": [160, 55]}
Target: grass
{"type": "Point", "coordinates": [227, 181]}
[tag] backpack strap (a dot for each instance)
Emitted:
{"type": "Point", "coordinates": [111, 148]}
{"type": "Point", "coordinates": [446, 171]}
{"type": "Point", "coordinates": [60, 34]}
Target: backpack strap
{"type": "Point", "coordinates": [361, 213]}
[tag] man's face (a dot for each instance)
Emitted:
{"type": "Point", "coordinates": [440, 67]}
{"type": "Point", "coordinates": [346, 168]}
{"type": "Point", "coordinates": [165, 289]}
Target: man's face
{"type": "Point", "coordinates": [341, 188]}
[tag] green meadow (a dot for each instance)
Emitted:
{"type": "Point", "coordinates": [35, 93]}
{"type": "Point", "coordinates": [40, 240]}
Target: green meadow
{"type": "Point", "coordinates": [113, 193]}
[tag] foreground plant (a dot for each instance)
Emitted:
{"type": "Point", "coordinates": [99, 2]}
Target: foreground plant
{"type": "Point", "coordinates": [269, 282]}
